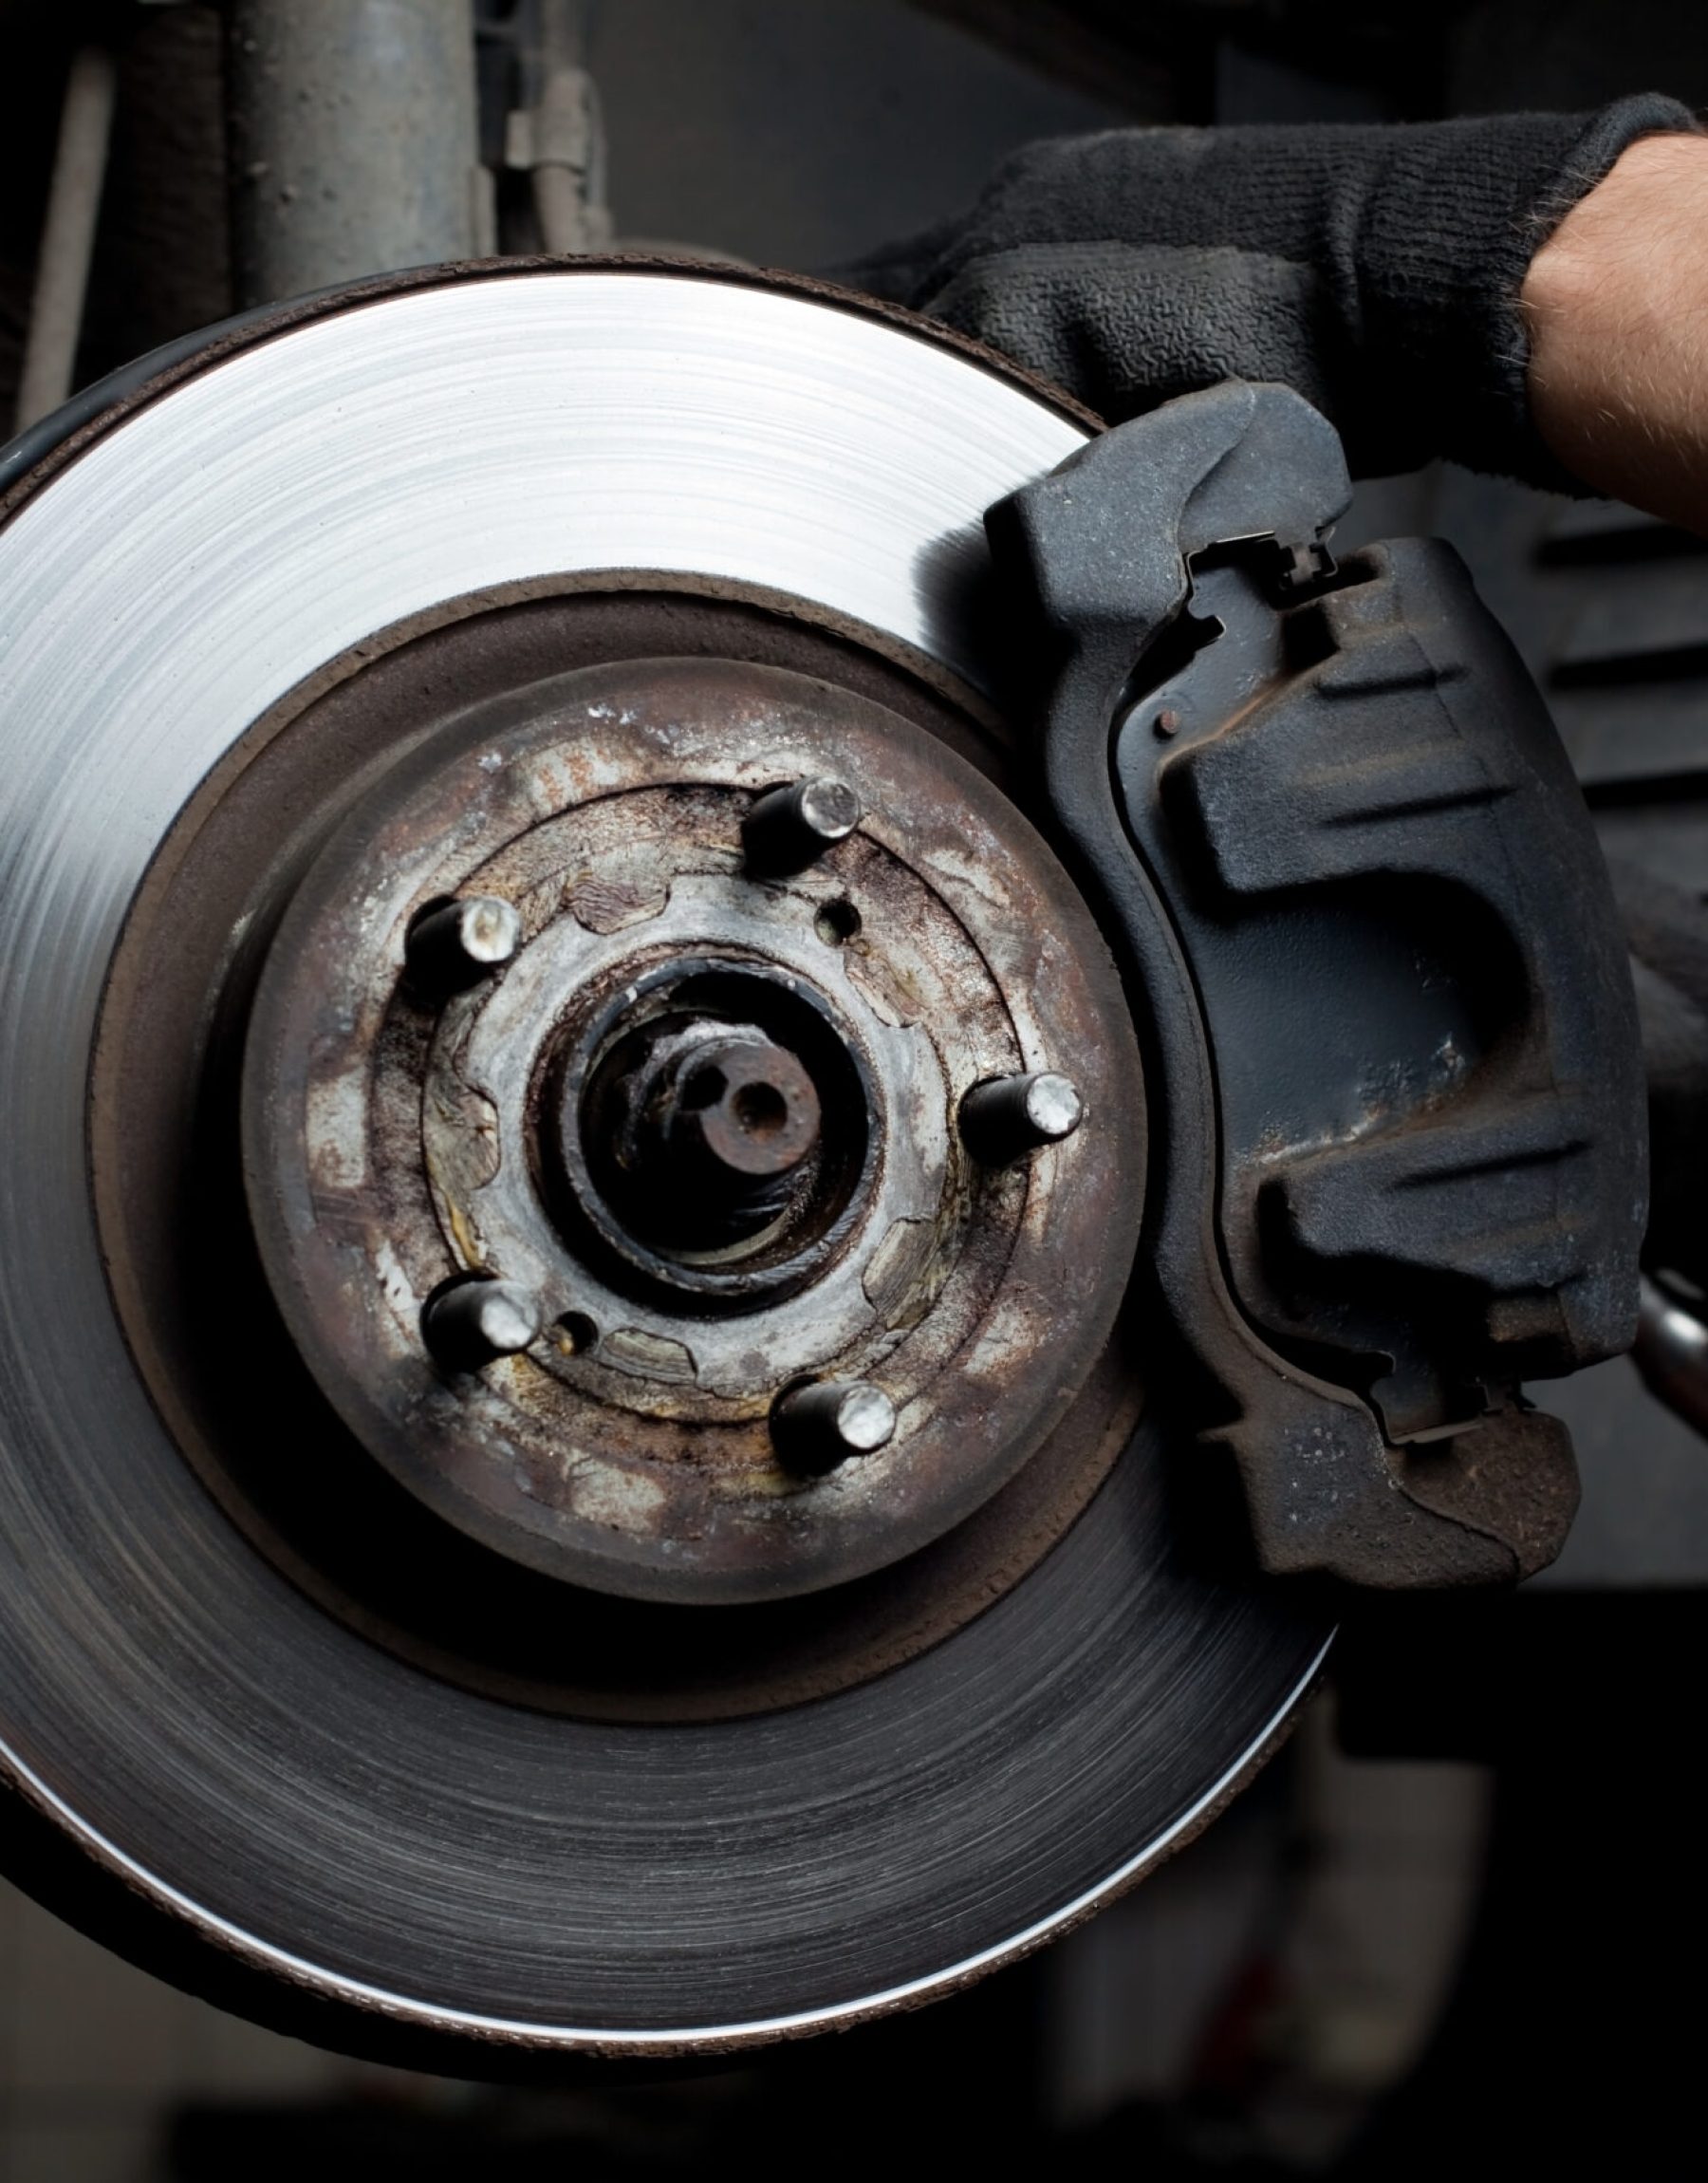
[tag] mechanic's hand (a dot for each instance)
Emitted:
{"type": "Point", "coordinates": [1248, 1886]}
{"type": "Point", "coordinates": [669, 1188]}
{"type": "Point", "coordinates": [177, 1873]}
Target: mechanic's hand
{"type": "Point", "coordinates": [1394, 276]}
{"type": "Point", "coordinates": [1617, 307]}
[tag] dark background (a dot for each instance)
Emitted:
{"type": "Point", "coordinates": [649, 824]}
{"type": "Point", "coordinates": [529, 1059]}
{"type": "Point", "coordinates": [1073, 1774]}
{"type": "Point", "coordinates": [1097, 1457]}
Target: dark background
{"type": "Point", "coordinates": [1478, 1939]}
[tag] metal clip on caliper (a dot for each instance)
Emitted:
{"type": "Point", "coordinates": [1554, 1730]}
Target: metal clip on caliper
{"type": "Point", "coordinates": [1398, 1153]}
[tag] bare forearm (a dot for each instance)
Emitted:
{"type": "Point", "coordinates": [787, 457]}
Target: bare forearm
{"type": "Point", "coordinates": [1616, 303]}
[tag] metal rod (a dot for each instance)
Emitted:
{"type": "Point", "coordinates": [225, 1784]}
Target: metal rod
{"type": "Point", "coordinates": [1671, 1353]}
{"type": "Point", "coordinates": [557, 135]}
{"type": "Point", "coordinates": [353, 139]}
{"type": "Point", "coordinates": [563, 34]}
{"type": "Point", "coordinates": [62, 279]}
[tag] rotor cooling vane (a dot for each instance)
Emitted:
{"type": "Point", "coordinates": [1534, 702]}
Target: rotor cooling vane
{"type": "Point", "coordinates": [575, 1465]}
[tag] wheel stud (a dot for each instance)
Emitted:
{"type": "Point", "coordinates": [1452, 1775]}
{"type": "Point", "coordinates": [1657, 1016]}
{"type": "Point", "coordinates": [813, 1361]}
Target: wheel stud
{"type": "Point", "coordinates": [788, 829]}
{"type": "Point", "coordinates": [455, 946]}
{"type": "Point", "coordinates": [1006, 1117]}
{"type": "Point", "coordinates": [816, 1427]}
{"type": "Point", "coordinates": [467, 1326]}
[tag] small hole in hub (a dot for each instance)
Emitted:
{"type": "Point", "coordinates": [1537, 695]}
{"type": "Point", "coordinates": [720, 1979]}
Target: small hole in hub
{"type": "Point", "coordinates": [577, 1333]}
{"type": "Point", "coordinates": [837, 922]}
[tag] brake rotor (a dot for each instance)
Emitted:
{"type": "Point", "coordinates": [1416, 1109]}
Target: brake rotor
{"type": "Point", "coordinates": [562, 1678]}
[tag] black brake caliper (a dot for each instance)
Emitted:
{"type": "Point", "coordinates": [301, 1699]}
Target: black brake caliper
{"type": "Point", "coordinates": [1396, 1093]}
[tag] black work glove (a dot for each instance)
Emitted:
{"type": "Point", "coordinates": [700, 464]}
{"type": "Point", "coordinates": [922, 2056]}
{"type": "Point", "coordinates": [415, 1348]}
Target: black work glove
{"type": "Point", "coordinates": [1376, 269]}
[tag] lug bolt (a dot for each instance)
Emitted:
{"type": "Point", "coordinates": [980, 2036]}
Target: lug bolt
{"type": "Point", "coordinates": [787, 828]}
{"type": "Point", "coordinates": [1006, 1117]}
{"type": "Point", "coordinates": [467, 1326]}
{"type": "Point", "coordinates": [455, 946]}
{"type": "Point", "coordinates": [816, 1427]}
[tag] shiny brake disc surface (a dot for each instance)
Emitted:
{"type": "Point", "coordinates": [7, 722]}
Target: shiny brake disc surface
{"type": "Point", "coordinates": [254, 1768]}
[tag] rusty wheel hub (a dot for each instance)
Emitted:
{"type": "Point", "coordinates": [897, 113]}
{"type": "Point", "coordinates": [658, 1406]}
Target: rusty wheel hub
{"type": "Point", "coordinates": [695, 1101]}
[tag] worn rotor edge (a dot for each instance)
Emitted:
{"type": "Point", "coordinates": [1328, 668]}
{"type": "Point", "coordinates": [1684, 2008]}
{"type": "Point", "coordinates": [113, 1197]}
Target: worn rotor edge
{"type": "Point", "coordinates": [573, 2041]}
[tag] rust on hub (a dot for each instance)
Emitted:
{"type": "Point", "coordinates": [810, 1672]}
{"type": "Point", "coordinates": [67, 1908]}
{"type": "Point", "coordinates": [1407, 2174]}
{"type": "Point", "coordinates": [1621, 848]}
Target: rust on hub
{"type": "Point", "coordinates": [697, 1117]}
{"type": "Point", "coordinates": [626, 812]}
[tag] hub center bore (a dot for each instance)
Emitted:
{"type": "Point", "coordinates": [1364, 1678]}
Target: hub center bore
{"type": "Point", "coordinates": [693, 1230]}
{"type": "Point", "coordinates": [713, 1125]}
{"type": "Point", "coordinates": [706, 1131]}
